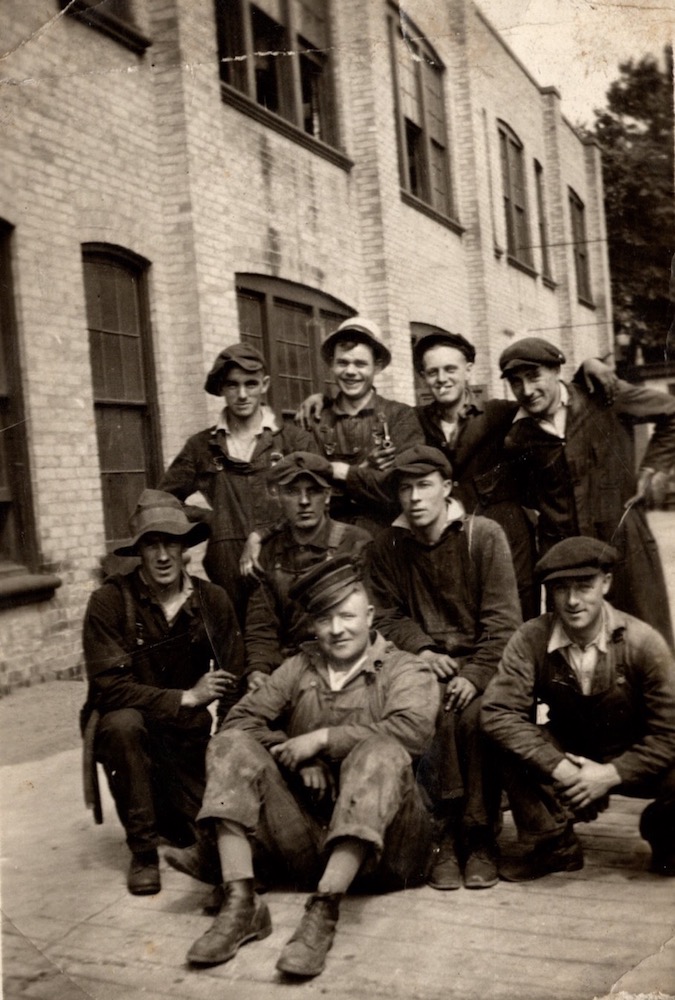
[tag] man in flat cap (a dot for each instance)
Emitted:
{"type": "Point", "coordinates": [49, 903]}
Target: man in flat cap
{"type": "Point", "coordinates": [608, 681]}
{"type": "Point", "coordinates": [276, 625]}
{"type": "Point", "coordinates": [228, 465]}
{"type": "Point", "coordinates": [445, 590]}
{"type": "Point", "coordinates": [576, 463]}
{"type": "Point", "coordinates": [159, 646]}
{"type": "Point", "coordinates": [315, 769]}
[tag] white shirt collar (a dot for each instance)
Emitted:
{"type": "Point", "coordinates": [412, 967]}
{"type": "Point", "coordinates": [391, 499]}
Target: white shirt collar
{"type": "Point", "coordinates": [454, 512]}
{"type": "Point", "coordinates": [268, 421]}
{"type": "Point", "coordinates": [559, 639]}
{"type": "Point", "coordinates": [556, 424]}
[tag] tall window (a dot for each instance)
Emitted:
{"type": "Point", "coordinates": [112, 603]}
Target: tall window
{"type": "Point", "coordinates": [581, 268]}
{"type": "Point", "coordinates": [543, 228]}
{"type": "Point", "coordinates": [17, 548]}
{"type": "Point", "coordinates": [277, 53]}
{"type": "Point", "coordinates": [288, 323]}
{"type": "Point", "coordinates": [515, 199]}
{"type": "Point", "coordinates": [123, 381]}
{"type": "Point", "coordinates": [422, 133]}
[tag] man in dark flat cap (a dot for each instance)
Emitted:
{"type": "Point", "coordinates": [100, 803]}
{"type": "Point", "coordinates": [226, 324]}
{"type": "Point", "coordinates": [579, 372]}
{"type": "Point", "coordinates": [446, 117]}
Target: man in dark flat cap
{"type": "Point", "coordinates": [276, 625]}
{"type": "Point", "coordinates": [315, 769]}
{"type": "Point", "coordinates": [159, 646]}
{"type": "Point", "coordinates": [608, 682]}
{"type": "Point", "coordinates": [445, 590]}
{"type": "Point", "coordinates": [228, 464]}
{"type": "Point", "coordinates": [576, 462]}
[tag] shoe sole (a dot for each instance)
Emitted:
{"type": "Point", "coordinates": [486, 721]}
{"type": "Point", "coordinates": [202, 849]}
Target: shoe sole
{"type": "Point", "coordinates": [306, 973]}
{"type": "Point", "coordinates": [482, 884]}
{"type": "Point", "coordinates": [150, 891]}
{"type": "Point", "coordinates": [258, 935]}
{"type": "Point", "coordinates": [444, 886]}
{"type": "Point", "coordinates": [572, 866]}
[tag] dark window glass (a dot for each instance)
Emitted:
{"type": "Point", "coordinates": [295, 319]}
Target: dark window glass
{"type": "Point", "coordinates": [580, 241]}
{"type": "Point", "coordinates": [515, 197]}
{"type": "Point", "coordinates": [543, 228]}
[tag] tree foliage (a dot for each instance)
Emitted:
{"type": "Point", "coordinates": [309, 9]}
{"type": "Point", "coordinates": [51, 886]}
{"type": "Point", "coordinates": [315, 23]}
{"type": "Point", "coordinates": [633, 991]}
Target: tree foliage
{"type": "Point", "coordinates": [635, 132]}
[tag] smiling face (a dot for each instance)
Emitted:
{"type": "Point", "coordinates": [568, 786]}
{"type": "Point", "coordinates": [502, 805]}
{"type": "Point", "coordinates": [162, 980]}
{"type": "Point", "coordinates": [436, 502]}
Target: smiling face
{"type": "Point", "coordinates": [536, 388]}
{"type": "Point", "coordinates": [243, 391]}
{"type": "Point", "coordinates": [303, 502]}
{"type": "Point", "coordinates": [423, 499]}
{"type": "Point", "coordinates": [578, 603]}
{"type": "Point", "coordinates": [161, 560]}
{"type": "Point", "coordinates": [354, 369]}
{"type": "Point", "coordinates": [446, 372]}
{"type": "Point", "coordinates": [343, 630]}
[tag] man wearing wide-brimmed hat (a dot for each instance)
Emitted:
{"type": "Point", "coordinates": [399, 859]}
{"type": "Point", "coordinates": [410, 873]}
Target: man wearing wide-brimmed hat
{"type": "Point", "coordinates": [160, 646]}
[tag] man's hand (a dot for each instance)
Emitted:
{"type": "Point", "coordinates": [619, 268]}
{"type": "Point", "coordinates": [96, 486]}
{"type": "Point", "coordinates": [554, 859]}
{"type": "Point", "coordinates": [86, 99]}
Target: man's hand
{"type": "Point", "coordinates": [317, 778]}
{"type": "Point", "coordinates": [210, 686]}
{"type": "Point", "coordinates": [293, 752]}
{"type": "Point", "coordinates": [592, 781]}
{"type": "Point", "coordinates": [309, 412]}
{"type": "Point", "coordinates": [442, 664]}
{"type": "Point", "coordinates": [382, 456]}
{"type": "Point", "coordinates": [248, 560]}
{"type": "Point", "coordinates": [600, 380]}
{"type": "Point", "coordinates": [256, 679]}
{"type": "Point", "coordinates": [643, 489]}
{"type": "Point", "coordinates": [459, 693]}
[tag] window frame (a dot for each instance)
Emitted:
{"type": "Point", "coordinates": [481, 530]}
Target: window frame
{"type": "Point", "coordinates": [514, 195]}
{"type": "Point", "coordinates": [582, 265]}
{"type": "Point", "coordinates": [120, 29]}
{"type": "Point", "coordinates": [544, 245]}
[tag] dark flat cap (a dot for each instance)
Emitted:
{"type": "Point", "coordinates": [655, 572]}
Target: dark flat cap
{"type": "Point", "coordinates": [441, 338]}
{"type": "Point", "coordinates": [240, 355]}
{"type": "Point", "coordinates": [530, 352]}
{"type": "Point", "coordinates": [362, 330]}
{"type": "Point", "coordinates": [578, 556]}
{"type": "Point", "coordinates": [161, 513]}
{"type": "Point", "coordinates": [326, 584]}
{"type": "Point", "coordinates": [418, 461]}
{"type": "Point", "coordinates": [301, 463]}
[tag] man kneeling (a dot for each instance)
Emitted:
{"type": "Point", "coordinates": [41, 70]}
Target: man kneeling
{"type": "Point", "coordinates": [315, 768]}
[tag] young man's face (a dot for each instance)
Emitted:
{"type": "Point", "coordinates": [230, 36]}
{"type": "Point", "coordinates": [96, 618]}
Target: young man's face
{"type": "Point", "coordinates": [342, 631]}
{"type": "Point", "coordinates": [423, 499]}
{"type": "Point", "coordinates": [446, 372]}
{"type": "Point", "coordinates": [303, 502]}
{"type": "Point", "coordinates": [578, 603]}
{"type": "Point", "coordinates": [161, 559]}
{"type": "Point", "coordinates": [537, 389]}
{"type": "Point", "coordinates": [354, 368]}
{"type": "Point", "coordinates": [243, 391]}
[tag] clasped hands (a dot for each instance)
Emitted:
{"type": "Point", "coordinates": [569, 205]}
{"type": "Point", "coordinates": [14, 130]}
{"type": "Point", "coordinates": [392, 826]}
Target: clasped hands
{"type": "Point", "coordinates": [583, 783]}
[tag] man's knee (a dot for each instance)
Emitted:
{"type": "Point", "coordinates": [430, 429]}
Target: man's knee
{"type": "Point", "coordinates": [124, 727]}
{"type": "Point", "coordinates": [376, 755]}
{"type": "Point", "coordinates": [234, 744]}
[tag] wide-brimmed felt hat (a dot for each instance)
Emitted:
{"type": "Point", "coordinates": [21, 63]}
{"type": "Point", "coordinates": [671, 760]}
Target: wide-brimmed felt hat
{"type": "Point", "coordinates": [530, 352]}
{"type": "Point", "coordinates": [441, 338]}
{"type": "Point", "coordinates": [301, 463]}
{"type": "Point", "coordinates": [157, 511]}
{"type": "Point", "coordinates": [579, 556]}
{"type": "Point", "coordinates": [327, 584]}
{"type": "Point", "coordinates": [419, 460]}
{"type": "Point", "coordinates": [241, 355]}
{"type": "Point", "coordinates": [362, 330]}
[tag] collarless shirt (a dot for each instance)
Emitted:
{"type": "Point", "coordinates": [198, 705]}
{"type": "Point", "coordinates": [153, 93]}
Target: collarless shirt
{"type": "Point", "coordinates": [582, 659]}
{"type": "Point", "coordinates": [338, 678]}
{"type": "Point", "coordinates": [172, 606]}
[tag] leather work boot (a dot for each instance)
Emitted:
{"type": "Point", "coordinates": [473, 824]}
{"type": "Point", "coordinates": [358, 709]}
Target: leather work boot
{"type": "Point", "coordinates": [143, 877]}
{"type": "Point", "coordinates": [562, 854]}
{"type": "Point", "coordinates": [305, 952]}
{"type": "Point", "coordinates": [663, 862]}
{"type": "Point", "coordinates": [445, 871]}
{"type": "Point", "coordinates": [480, 869]}
{"type": "Point", "coordinates": [243, 917]}
{"type": "Point", "coordinates": [197, 861]}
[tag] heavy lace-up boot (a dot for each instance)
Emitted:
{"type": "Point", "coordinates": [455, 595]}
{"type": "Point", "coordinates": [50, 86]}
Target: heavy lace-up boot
{"type": "Point", "coordinates": [243, 917]}
{"type": "Point", "coordinates": [305, 952]}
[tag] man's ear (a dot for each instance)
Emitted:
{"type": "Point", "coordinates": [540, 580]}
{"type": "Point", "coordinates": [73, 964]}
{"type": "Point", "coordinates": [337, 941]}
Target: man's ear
{"type": "Point", "coordinates": [377, 368]}
{"type": "Point", "coordinates": [266, 382]}
{"type": "Point", "coordinates": [447, 487]}
{"type": "Point", "coordinates": [606, 583]}
{"type": "Point", "coordinates": [371, 615]}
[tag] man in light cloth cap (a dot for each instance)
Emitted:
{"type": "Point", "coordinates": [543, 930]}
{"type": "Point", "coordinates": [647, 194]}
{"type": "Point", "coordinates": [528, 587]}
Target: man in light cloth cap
{"type": "Point", "coordinates": [608, 681]}
{"type": "Point", "coordinates": [445, 590]}
{"type": "Point", "coordinates": [315, 770]}
{"type": "Point", "coordinates": [228, 465]}
{"type": "Point", "coordinates": [159, 646]}
{"type": "Point", "coordinates": [576, 467]}
{"type": "Point", "coordinates": [276, 625]}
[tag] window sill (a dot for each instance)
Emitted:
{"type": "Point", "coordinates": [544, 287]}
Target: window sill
{"type": "Point", "coordinates": [521, 266]}
{"type": "Point", "coordinates": [244, 104]}
{"type": "Point", "coordinates": [549, 282]}
{"type": "Point", "coordinates": [88, 13]}
{"type": "Point", "coordinates": [26, 588]}
{"type": "Point", "coordinates": [433, 213]}
{"type": "Point", "coordinates": [588, 303]}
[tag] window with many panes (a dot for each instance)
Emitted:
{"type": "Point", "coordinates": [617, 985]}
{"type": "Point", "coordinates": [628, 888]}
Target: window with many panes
{"type": "Point", "coordinates": [580, 247]}
{"type": "Point", "coordinates": [277, 53]}
{"type": "Point", "coordinates": [288, 323]}
{"type": "Point", "coordinates": [123, 381]}
{"type": "Point", "coordinates": [512, 160]}
{"type": "Point", "coordinates": [422, 133]}
{"type": "Point", "coordinates": [543, 227]}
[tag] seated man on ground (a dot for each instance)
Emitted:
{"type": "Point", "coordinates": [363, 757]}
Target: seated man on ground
{"type": "Point", "coordinates": [608, 680]}
{"type": "Point", "coordinates": [151, 640]}
{"type": "Point", "coordinates": [445, 590]}
{"type": "Point", "coordinates": [315, 768]}
{"type": "Point", "coordinates": [276, 625]}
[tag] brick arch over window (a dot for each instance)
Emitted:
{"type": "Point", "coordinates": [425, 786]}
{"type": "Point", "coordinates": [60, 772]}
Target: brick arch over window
{"type": "Point", "coordinates": [288, 322]}
{"type": "Point", "coordinates": [123, 380]}
{"type": "Point", "coordinates": [514, 189]}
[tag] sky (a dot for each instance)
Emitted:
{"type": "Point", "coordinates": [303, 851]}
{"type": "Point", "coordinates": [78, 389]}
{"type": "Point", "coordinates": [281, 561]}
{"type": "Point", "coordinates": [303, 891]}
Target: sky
{"type": "Point", "coordinates": [577, 45]}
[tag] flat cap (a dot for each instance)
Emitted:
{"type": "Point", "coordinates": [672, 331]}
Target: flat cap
{"type": "Point", "coordinates": [418, 461]}
{"type": "Point", "coordinates": [441, 338]}
{"type": "Point", "coordinates": [362, 330]}
{"type": "Point", "coordinates": [578, 556]}
{"type": "Point", "coordinates": [326, 584]}
{"type": "Point", "coordinates": [244, 356]}
{"type": "Point", "coordinates": [530, 352]}
{"type": "Point", "coordinates": [301, 463]}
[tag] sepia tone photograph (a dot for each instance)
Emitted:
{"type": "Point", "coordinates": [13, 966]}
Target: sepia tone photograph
{"type": "Point", "coordinates": [337, 499]}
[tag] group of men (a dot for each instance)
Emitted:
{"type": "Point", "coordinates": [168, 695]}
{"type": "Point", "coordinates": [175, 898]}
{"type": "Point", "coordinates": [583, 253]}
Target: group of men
{"type": "Point", "coordinates": [362, 636]}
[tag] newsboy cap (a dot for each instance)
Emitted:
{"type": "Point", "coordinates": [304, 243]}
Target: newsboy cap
{"type": "Point", "coordinates": [301, 463]}
{"type": "Point", "coordinates": [240, 355]}
{"type": "Point", "coordinates": [157, 511]}
{"type": "Point", "coordinates": [418, 461]}
{"type": "Point", "coordinates": [441, 338]}
{"type": "Point", "coordinates": [578, 556]}
{"type": "Point", "coordinates": [359, 329]}
{"type": "Point", "coordinates": [530, 352]}
{"type": "Point", "coordinates": [327, 584]}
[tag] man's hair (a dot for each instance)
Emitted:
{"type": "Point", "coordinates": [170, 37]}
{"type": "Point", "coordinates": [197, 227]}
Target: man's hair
{"type": "Point", "coordinates": [352, 339]}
